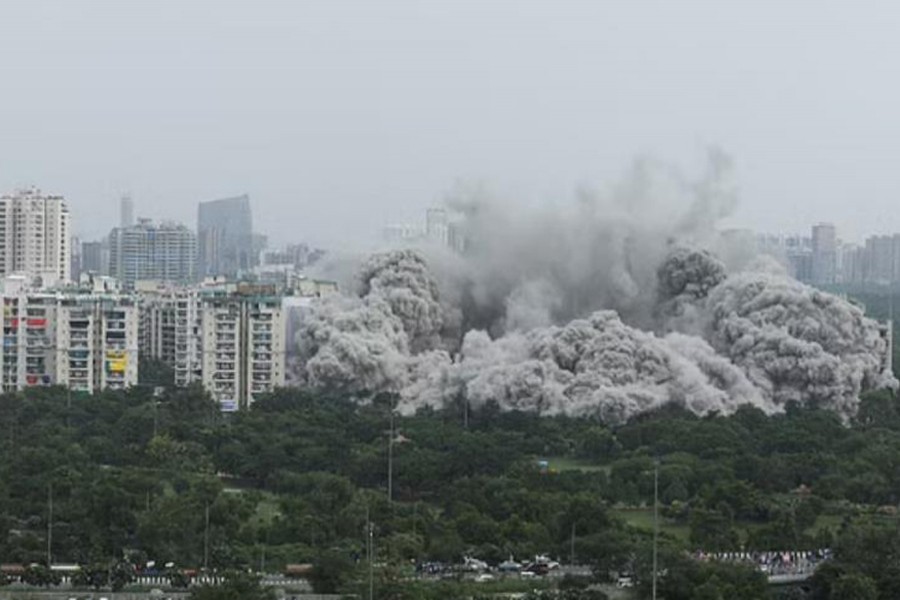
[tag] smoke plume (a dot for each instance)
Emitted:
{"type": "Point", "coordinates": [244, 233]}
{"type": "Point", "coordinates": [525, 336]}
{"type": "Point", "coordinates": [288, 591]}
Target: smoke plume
{"type": "Point", "coordinates": [611, 307]}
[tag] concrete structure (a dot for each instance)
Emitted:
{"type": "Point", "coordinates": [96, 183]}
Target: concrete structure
{"type": "Point", "coordinates": [126, 212]}
{"type": "Point", "coordinates": [94, 258]}
{"type": "Point", "coordinates": [170, 331]}
{"type": "Point", "coordinates": [226, 244]}
{"type": "Point", "coordinates": [229, 337]}
{"type": "Point", "coordinates": [243, 345]}
{"type": "Point", "coordinates": [823, 259]}
{"type": "Point", "coordinates": [298, 256]}
{"type": "Point", "coordinates": [78, 338]}
{"type": "Point", "coordinates": [35, 236]}
{"type": "Point", "coordinates": [401, 233]}
{"type": "Point", "coordinates": [439, 230]}
{"type": "Point", "coordinates": [824, 253]}
{"type": "Point", "coordinates": [295, 308]}
{"type": "Point", "coordinates": [437, 226]}
{"type": "Point", "coordinates": [881, 259]}
{"type": "Point", "coordinates": [164, 252]}
{"type": "Point", "coordinates": [793, 251]}
{"type": "Point", "coordinates": [851, 268]}
{"type": "Point", "coordinates": [313, 288]}
{"type": "Point", "coordinates": [75, 260]}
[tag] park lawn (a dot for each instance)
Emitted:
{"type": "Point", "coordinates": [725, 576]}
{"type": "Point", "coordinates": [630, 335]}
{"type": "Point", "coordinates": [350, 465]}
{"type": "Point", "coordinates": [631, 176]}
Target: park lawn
{"type": "Point", "coordinates": [268, 507]}
{"type": "Point", "coordinates": [832, 522]}
{"type": "Point", "coordinates": [642, 518]}
{"type": "Point", "coordinates": [567, 463]}
{"type": "Point", "coordinates": [267, 510]}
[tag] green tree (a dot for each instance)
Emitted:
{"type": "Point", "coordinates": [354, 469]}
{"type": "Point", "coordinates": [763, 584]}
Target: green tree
{"type": "Point", "coordinates": [331, 571]}
{"type": "Point", "coordinates": [712, 531]}
{"type": "Point", "coordinates": [94, 575]}
{"type": "Point", "coordinates": [854, 586]}
{"type": "Point", "coordinates": [41, 576]}
{"type": "Point", "coordinates": [121, 574]}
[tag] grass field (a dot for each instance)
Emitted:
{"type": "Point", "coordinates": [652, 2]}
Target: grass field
{"type": "Point", "coordinates": [642, 518]}
{"type": "Point", "coordinates": [565, 463]}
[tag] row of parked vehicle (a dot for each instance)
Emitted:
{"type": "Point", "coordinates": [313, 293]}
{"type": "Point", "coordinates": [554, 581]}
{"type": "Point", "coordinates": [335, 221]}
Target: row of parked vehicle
{"type": "Point", "coordinates": [482, 571]}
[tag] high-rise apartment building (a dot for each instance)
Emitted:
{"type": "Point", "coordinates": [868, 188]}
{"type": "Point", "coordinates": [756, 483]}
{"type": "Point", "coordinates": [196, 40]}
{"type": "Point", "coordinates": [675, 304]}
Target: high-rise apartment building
{"type": "Point", "coordinates": [226, 244]}
{"type": "Point", "coordinates": [171, 331]}
{"type": "Point", "coordinates": [881, 259]}
{"type": "Point", "coordinates": [824, 253]}
{"type": "Point", "coordinates": [851, 267]}
{"type": "Point", "coordinates": [147, 251]}
{"type": "Point", "coordinates": [35, 235]}
{"type": "Point", "coordinates": [437, 226]}
{"type": "Point", "coordinates": [95, 257]}
{"type": "Point", "coordinates": [229, 337]}
{"type": "Point", "coordinates": [243, 346]}
{"type": "Point", "coordinates": [79, 339]}
{"type": "Point", "coordinates": [75, 247]}
{"type": "Point", "coordinates": [126, 212]}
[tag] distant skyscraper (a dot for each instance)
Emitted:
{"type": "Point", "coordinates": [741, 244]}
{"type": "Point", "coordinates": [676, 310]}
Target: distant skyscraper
{"type": "Point", "coordinates": [437, 226]}
{"type": "Point", "coordinates": [146, 251]}
{"type": "Point", "coordinates": [126, 212]}
{"type": "Point", "coordinates": [226, 245]}
{"type": "Point", "coordinates": [824, 253]}
{"type": "Point", "coordinates": [75, 262]}
{"type": "Point", "coordinates": [34, 235]}
{"type": "Point", "coordinates": [95, 258]}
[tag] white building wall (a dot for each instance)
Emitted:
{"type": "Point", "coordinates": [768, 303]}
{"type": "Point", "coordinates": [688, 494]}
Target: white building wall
{"type": "Point", "coordinates": [63, 339]}
{"type": "Point", "coordinates": [35, 232]}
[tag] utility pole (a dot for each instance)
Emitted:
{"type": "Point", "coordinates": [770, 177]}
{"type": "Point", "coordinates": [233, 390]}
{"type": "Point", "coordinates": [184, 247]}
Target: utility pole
{"type": "Point", "coordinates": [50, 525]}
{"type": "Point", "coordinates": [390, 482]}
{"type": "Point", "coordinates": [572, 546]}
{"type": "Point", "coordinates": [370, 555]}
{"type": "Point", "coordinates": [206, 539]}
{"type": "Point", "coordinates": [655, 519]}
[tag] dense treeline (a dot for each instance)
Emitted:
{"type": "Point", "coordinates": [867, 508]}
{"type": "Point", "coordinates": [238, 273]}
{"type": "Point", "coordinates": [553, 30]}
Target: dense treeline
{"type": "Point", "coordinates": [134, 476]}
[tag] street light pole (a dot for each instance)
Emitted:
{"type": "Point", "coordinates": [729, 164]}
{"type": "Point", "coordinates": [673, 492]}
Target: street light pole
{"type": "Point", "coordinates": [390, 481]}
{"type": "Point", "coordinates": [206, 539]}
{"type": "Point", "coordinates": [369, 554]}
{"type": "Point", "coordinates": [50, 525]}
{"type": "Point", "coordinates": [655, 520]}
{"type": "Point", "coordinates": [572, 546]}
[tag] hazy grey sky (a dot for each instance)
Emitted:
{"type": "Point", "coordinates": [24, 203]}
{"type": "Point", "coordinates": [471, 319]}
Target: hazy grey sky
{"type": "Point", "coordinates": [339, 116]}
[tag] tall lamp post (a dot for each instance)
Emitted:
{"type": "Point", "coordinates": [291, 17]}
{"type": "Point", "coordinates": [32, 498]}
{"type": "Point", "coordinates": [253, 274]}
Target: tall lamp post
{"type": "Point", "coordinates": [390, 482]}
{"type": "Point", "coordinates": [655, 521]}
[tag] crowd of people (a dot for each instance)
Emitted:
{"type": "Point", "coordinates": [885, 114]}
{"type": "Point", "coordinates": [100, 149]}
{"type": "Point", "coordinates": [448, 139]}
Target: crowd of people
{"type": "Point", "coordinates": [791, 562]}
